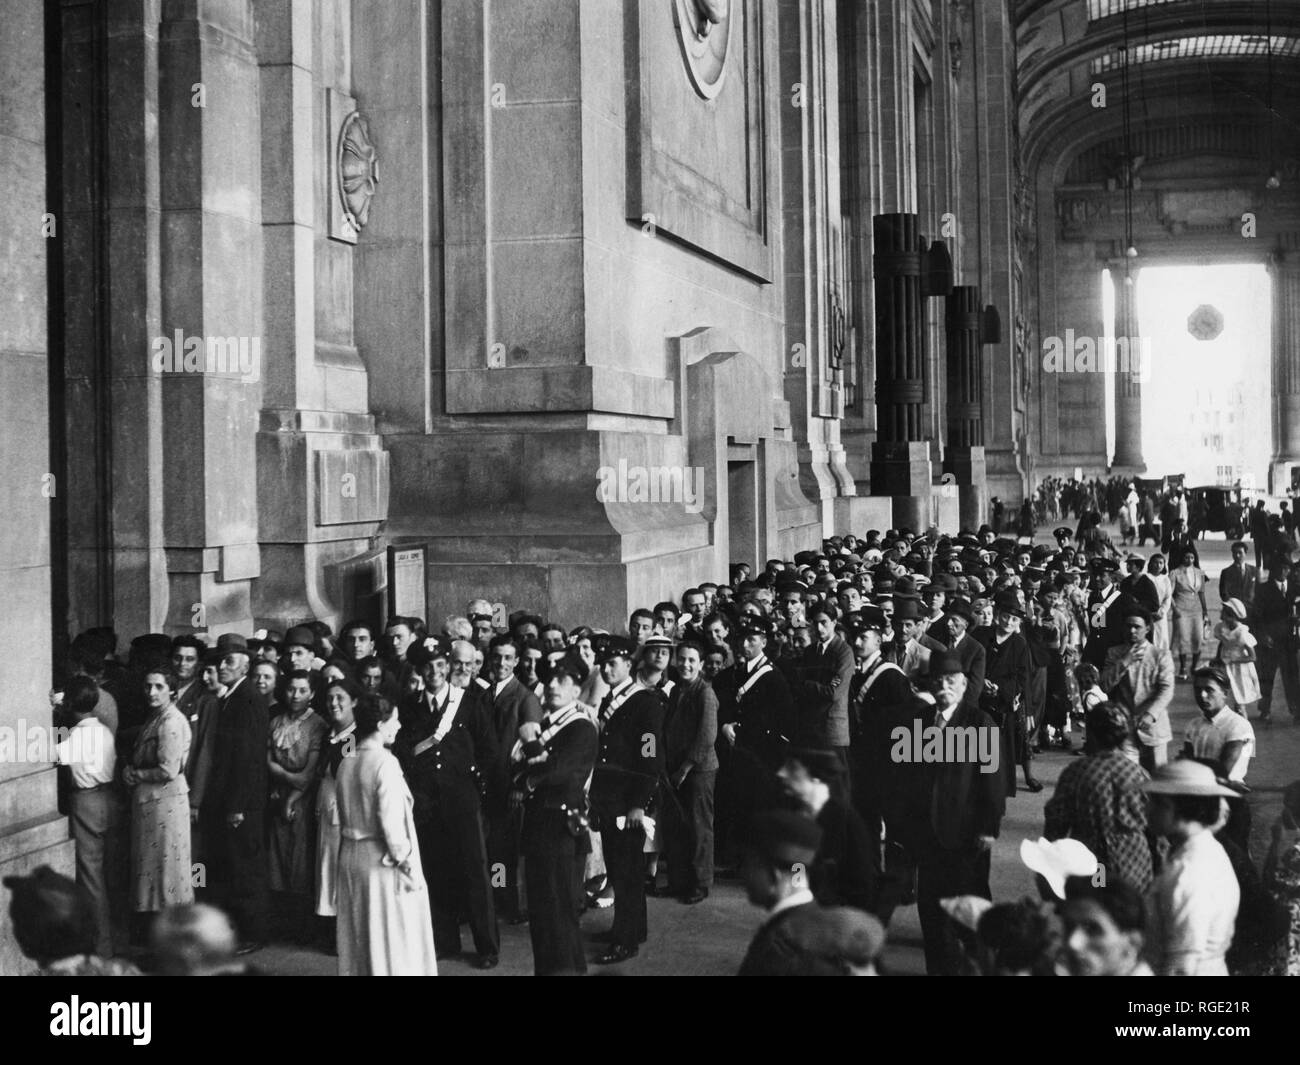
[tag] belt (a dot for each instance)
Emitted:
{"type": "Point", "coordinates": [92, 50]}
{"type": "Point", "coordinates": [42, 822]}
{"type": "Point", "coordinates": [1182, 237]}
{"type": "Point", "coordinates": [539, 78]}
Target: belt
{"type": "Point", "coordinates": [357, 836]}
{"type": "Point", "coordinates": [93, 787]}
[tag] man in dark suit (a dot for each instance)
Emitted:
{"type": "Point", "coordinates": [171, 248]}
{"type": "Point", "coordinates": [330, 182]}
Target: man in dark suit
{"type": "Point", "coordinates": [511, 706]}
{"type": "Point", "coordinates": [1239, 580]}
{"type": "Point", "coordinates": [1105, 615]}
{"type": "Point", "coordinates": [1139, 586]}
{"type": "Point", "coordinates": [1270, 620]}
{"type": "Point", "coordinates": [691, 761]}
{"type": "Point", "coordinates": [234, 804]}
{"type": "Point", "coordinates": [800, 937]}
{"type": "Point", "coordinates": [447, 749]}
{"type": "Point", "coordinates": [959, 640]}
{"type": "Point", "coordinates": [623, 788]}
{"type": "Point", "coordinates": [1007, 671]}
{"type": "Point", "coordinates": [956, 826]}
{"type": "Point", "coordinates": [553, 759]}
{"type": "Point", "coordinates": [846, 869]}
{"type": "Point", "coordinates": [823, 699]}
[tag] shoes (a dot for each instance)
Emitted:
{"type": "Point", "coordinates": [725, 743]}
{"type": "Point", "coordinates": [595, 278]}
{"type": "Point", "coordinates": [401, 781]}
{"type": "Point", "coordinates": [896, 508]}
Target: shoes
{"type": "Point", "coordinates": [1182, 676]}
{"type": "Point", "coordinates": [486, 961]}
{"type": "Point", "coordinates": [248, 948]}
{"type": "Point", "coordinates": [652, 889]}
{"type": "Point", "coordinates": [517, 918]}
{"type": "Point", "coordinates": [1034, 785]}
{"type": "Point", "coordinates": [698, 895]}
{"type": "Point", "coordinates": [616, 954]}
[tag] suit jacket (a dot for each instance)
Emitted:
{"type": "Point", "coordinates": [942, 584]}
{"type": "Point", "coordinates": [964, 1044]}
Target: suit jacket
{"type": "Point", "coordinates": [764, 715]}
{"type": "Point", "coordinates": [238, 779]}
{"type": "Point", "coordinates": [691, 727]}
{"type": "Point", "coordinates": [201, 709]}
{"type": "Point", "coordinates": [1142, 588]}
{"type": "Point", "coordinates": [846, 869]}
{"type": "Point", "coordinates": [965, 803]}
{"type": "Point", "coordinates": [1150, 673]}
{"type": "Point", "coordinates": [1270, 615]}
{"type": "Point", "coordinates": [560, 782]}
{"type": "Point", "coordinates": [459, 767]}
{"type": "Point", "coordinates": [1234, 584]}
{"type": "Point", "coordinates": [515, 705]}
{"type": "Point", "coordinates": [631, 755]}
{"type": "Point", "coordinates": [971, 653]}
{"type": "Point", "coordinates": [824, 695]}
{"type": "Point", "coordinates": [916, 662]}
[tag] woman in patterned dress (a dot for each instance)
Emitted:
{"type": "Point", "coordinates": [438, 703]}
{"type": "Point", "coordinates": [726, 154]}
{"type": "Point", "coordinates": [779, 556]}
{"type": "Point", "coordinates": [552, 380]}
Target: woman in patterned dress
{"type": "Point", "coordinates": [293, 755]}
{"type": "Point", "coordinates": [160, 807]}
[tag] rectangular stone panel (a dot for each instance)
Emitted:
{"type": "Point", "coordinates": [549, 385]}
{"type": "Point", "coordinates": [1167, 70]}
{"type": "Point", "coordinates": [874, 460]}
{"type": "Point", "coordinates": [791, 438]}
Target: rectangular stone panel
{"type": "Point", "coordinates": [351, 486]}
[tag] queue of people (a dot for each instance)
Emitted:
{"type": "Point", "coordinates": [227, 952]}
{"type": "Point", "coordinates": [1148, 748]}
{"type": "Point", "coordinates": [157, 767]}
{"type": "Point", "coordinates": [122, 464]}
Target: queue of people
{"type": "Point", "coordinates": [380, 791]}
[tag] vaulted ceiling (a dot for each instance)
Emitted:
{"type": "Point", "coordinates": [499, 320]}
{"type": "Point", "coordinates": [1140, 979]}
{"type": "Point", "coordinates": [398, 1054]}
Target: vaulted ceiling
{"type": "Point", "coordinates": [1183, 65]}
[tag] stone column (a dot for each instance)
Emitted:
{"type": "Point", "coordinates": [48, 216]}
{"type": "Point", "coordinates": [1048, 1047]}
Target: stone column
{"type": "Point", "coordinates": [32, 832]}
{"type": "Point", "coordinates": [900, 462]}
{"type": "Point", "coordinates": [1128, 384]}
{"type": "Point", "coordinates": [964, 457]}
{"type": "Point", "coordinates": [1286, 372]}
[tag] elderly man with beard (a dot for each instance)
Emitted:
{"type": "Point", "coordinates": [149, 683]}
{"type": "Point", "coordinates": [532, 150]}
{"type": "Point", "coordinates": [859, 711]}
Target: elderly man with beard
{"type": "Point", "coordinates": [960, 619]}
{"type": "Point", "coordinates": [1148, 675]}
{"type": "Point", "coordinates": [234, 805]}
{"type": "Point", "coordinates": [553, 761]}
{"type": "Point", "coordinates": [957, 817]}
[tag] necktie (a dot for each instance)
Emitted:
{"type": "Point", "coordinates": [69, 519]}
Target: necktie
{"type": "Point", "coordinates": [938, 719]}
{"type": "Point", "coordinates": [605, 704]}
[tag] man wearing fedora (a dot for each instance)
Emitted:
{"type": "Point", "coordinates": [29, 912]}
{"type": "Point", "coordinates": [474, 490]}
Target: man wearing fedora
{"type": "Point", "coordinates": [1192, 905]}
{"type": "Point", "coordinates": [917, 644]}
{"type": "Point", "coordinates": [1149, 675]}
{"type": "Point", "coordinates": [1239, 580]}
{"type": "Point", "coordinates": [234, 804]}
{"type": "Point", "coordinates": [955, 635]}
{"type": "Point", "coordinates": [957, 817]}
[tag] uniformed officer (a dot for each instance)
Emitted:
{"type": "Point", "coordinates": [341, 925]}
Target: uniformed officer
{"type": "Point", "coordinates": [553, 760]}
{"type": "Point", "coordinates": [447, 747]}
{"type": "Point", "coordinates": [626, 777]}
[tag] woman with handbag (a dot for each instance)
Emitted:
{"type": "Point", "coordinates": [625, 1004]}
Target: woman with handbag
{"type": "Point", "coordinates": [1190, 613]}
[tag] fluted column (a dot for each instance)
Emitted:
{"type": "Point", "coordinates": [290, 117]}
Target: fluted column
{"type": "Point", "coordinates": [964, 455]}
{"type": "Point", "coordinates": [900, 458]}
{"type": "Point", "coordinates": [1128, 384]}
{"type": "Point", "coordinates": [1286, 371]}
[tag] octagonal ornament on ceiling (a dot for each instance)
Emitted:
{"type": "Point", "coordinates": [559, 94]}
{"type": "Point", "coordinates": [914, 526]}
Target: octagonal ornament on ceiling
{"type": "Point", "coordinates": [1205, 323]}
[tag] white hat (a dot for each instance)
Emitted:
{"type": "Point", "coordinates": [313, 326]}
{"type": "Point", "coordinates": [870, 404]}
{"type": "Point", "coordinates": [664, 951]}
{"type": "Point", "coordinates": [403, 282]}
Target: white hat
{"type": "Point", "coordinates": [1237, 607]}
{"type": "Point", "coordinates": [966, 910]}
{"type": "Point", "coordinates": [1055, 861]}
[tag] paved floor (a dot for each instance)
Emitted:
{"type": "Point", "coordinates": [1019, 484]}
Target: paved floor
{"type": "Point", "coordinates": [710, 938]}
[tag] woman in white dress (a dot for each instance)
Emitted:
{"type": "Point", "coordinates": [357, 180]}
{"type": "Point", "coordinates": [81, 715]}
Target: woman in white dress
{"type": "Point", "coordinates": [385, 925]}
{"type": "Point", "coordinates": [1165, 588]}
{"type": "Point", "coordinates": [1237, 651]}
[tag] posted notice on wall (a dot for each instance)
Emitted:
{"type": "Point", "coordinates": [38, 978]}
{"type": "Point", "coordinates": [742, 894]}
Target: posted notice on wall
{"type": "Point", "coordinates": [407, 591]}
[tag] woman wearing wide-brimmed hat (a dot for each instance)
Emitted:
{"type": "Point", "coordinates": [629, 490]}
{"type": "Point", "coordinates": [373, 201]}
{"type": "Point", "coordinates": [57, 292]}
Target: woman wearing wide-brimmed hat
{"type": "Point", "coordinates": [1192, 904]}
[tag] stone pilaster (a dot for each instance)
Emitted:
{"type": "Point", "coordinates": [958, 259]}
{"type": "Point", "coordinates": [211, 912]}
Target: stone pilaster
{"type": "Point", "coordinates": [964, 455]}
{"type": "Point", "coordinates": [1285, 271]}
{"type": "Point", "coordinates": [1128, 384]}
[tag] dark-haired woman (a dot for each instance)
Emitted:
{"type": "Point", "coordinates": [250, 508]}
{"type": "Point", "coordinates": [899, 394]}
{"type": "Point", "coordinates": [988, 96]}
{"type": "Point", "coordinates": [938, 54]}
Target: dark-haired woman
{"type": "Point", "coordinates": [385, 924]}
{"type": "Point", "coordinates": [293, 755]}
{"type": "Point", "coordinates": [160, 807]}
{"type": "Point", "coordinates": [340, 704]}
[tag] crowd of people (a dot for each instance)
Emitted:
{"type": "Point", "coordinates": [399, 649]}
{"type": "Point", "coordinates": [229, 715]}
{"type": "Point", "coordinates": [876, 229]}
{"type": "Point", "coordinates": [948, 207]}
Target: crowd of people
{"type": "Point", "coordinates": [378, 790]}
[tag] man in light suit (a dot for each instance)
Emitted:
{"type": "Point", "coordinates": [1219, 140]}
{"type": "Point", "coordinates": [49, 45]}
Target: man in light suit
{"type": "Point", "coordinates": [1149, 671]}
{"type": "Point", "coordinates": [511, 706]}
{"type": "Point", "coordinates": [1239, 580]}
{"type": "Point", "coordinates": [826, 674]}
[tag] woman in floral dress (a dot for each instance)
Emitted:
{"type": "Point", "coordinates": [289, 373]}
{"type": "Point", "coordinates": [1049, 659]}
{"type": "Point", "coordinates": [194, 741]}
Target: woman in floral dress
{"type": "Point", "coordinates": [160, 807]}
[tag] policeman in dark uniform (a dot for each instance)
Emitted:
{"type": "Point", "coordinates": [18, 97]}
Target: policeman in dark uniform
{"type": "Point", "coordinates": [553, 761]}
{"type": "Point", "coordinates": [446, 747]}
{"type": "Point", "coordinates": [623, 789]}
